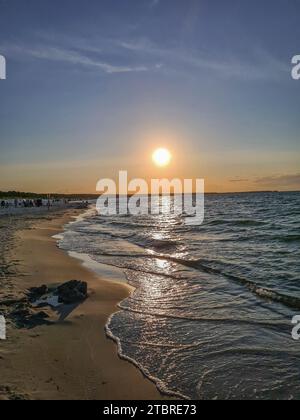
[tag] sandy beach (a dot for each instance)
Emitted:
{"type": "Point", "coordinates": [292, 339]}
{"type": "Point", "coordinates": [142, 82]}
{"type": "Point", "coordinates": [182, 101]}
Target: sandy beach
{"type": "Point", "coordinates": [69, 359]}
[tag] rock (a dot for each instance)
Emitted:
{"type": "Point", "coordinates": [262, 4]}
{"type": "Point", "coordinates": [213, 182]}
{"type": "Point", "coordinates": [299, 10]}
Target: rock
{"type": "Point", "coordinates": [24, 317]}
{"type": "Point", "coordinates": [40, 315]}
{"type": "Point", "coordinates": [37, 292]}
{"type": "Point", "coordinates": [72, 292]}
{"type": "Point", "coordinates": [6, 393]}
{"type": "Point", "coordinates": [11, 302]}
{"type": "Point", "coordinates": [21, 311]}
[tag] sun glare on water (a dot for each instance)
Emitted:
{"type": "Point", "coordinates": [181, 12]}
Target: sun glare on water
{"type": "Point", "coordinates": [161, 157]}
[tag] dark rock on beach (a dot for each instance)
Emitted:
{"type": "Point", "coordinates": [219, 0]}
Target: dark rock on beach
{"type": "Point", "coordinates": [25, 317]}
{"type": "Point", "coordinates": [72, 292]}
{"type": "Point", "coordinates": [36, 292]}
{"type": "Point", "coordinates": [7, 393]}
{"type": "Point", "coordinates": [24, 312]}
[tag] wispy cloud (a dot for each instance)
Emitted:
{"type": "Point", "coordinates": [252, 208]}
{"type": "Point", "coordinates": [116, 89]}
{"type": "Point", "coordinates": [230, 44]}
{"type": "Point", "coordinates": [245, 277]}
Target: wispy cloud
{"type": "Point", "coordinates": [259, 65]}
{"type": "Point", "coordinates": [277, 181]}
{"type": "Point", "coordinates": [271, 181]}
{"type": "Point", "coordinates": [238, 179]}
{"type": "Point", "coordinates": [72, 57]}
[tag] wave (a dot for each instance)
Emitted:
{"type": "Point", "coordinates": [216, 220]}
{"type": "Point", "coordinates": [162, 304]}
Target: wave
{"type": "Point", "coordinates": [236, 222]}
{"type": "Point", "coordinates": [290, 301]}
{"type": "Point", "coordinates": [158, 382]}
{"type": "Point", "coordinates": [263, 292]}
{"type": "Point", "coordinates": [287, 238]}
{"type": "Point", "coordinates": [159, 244]}
{"type": "Point", "coordinates": [267, 324]}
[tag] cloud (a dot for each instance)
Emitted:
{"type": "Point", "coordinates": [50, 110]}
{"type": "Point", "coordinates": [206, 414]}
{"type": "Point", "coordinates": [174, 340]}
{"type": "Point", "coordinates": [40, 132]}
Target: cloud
{"type": "Point", "coordinates": [237, 179]}
{"type": "Point", "coordinates": [259, 65]}
{"type": "Point", "coordinates": [72, 57]}
{"type": "Point", "coordinates": [277, 181]}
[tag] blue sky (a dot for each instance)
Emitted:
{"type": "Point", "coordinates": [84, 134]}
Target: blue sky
{"type": "Point", "coordinates": [92, 87]}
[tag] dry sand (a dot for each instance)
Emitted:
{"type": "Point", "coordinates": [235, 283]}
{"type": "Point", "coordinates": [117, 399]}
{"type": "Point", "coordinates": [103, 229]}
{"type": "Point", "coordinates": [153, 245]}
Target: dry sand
{"type": "Point", "coordinates": [72, 359]}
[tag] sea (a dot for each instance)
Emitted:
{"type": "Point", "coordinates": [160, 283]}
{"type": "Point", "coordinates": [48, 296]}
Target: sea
{"type": "Point", "coordinates": [211, 309]}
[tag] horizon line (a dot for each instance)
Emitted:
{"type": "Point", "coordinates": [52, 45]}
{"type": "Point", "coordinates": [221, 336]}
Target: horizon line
{"type": "Point", "coordinates": [11, 193]}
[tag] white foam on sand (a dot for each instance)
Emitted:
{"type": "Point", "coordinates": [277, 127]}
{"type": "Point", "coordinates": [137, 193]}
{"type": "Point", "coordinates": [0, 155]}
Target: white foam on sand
{"type": "Point", "coordinates": [78, 218]}
{"type": "Point", "coordinates": [108, 272]}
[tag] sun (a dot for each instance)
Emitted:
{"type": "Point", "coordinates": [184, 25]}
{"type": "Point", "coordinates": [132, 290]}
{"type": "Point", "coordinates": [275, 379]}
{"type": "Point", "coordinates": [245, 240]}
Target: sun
{"type": "Point", "coordinates": [161, 157]}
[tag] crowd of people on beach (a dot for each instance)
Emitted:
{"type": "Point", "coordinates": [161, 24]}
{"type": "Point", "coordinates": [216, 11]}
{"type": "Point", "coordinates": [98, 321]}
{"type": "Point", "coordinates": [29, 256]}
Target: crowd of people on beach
{"type": "Point", "coordinates": [16, 205]}
{"type": "Point", "coordinates": [22, 203]}
{"type": "Point", "coordinates": [25, 203]}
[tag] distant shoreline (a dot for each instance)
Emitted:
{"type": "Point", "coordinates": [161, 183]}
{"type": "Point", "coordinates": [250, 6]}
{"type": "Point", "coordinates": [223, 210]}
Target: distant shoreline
{"type": "Point", "coordinates": [16, 194]}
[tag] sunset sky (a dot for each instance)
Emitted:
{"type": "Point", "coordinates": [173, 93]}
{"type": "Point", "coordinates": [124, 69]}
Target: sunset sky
{"type": "Point", "coordinates": [94, 87]}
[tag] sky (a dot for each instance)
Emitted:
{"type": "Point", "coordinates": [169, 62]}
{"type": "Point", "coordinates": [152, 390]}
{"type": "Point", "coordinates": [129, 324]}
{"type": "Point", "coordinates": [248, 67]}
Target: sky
{"type": "Point", "coordinates": [93, 87]}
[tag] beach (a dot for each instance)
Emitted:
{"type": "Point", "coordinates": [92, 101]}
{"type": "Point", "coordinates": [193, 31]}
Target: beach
{"type": "Point", "coordinates": [172, 308]}
{"type": "Point", "coordinates": [71, 359]}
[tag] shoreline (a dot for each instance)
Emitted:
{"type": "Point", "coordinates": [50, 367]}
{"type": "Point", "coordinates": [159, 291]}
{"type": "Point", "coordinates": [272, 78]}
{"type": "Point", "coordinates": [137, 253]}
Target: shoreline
{"type": "Point", "coordinates": [72, 359]}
